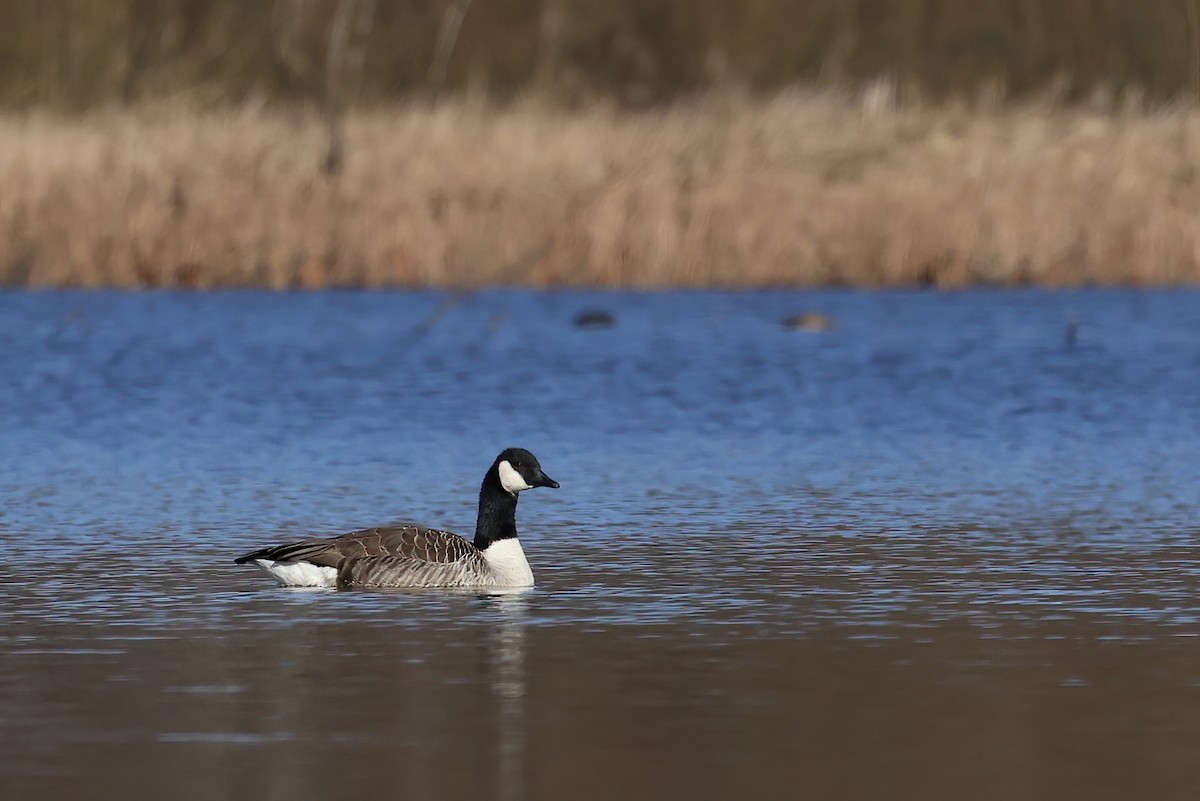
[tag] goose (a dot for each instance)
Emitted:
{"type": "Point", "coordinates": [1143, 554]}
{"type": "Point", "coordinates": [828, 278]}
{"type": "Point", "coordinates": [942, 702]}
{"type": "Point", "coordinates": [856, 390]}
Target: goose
{"type": "Point", "coordinates": [409, 555]}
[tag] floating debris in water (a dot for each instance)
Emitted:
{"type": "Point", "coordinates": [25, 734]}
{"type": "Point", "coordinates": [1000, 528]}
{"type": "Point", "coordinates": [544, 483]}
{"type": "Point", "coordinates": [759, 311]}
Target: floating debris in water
{"type": "Point", "coordinates": [594, 319]}
{"type": "Point", "coordinates": [444, 306]}
{"type": "Point", "coordinates": [809, 321]}
{"type": "Point", "coordinates": [1071, 334]}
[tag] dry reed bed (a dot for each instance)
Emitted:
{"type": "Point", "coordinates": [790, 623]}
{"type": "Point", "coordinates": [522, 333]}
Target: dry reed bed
{"type": "Point", "coordinates": [797, 191]}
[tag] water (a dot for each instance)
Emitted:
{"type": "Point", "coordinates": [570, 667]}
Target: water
{"type": "Point", "coordinates": [944, 551]}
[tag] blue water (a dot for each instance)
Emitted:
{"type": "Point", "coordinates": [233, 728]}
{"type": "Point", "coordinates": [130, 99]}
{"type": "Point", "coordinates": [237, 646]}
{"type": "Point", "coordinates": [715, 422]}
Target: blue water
{"type": "Point", "coordinates": [976, 470]}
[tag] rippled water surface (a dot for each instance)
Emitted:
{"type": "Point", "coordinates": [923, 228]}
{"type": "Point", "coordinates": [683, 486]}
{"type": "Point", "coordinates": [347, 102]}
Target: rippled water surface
{"type": "Point", "coordinates": [946, 550]}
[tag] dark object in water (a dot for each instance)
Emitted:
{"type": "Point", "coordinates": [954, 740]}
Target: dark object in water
{"type": "Point", "coordinates": [594, 319]}
{"type": "Point", "coordinates": [1071, 334]}
{"type": "Point", "coordinates": [809, 321]}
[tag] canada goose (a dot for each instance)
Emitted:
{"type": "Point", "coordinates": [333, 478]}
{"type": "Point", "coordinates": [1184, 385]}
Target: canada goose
{"type": "Point", "coordinates": [409, 555]}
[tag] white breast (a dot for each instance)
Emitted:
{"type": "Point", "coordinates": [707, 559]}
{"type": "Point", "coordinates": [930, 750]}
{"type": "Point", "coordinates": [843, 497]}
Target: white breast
{"type": "Point", "coordinates": [300, 574]}
{"type": "Point", "coordinates": [507, 563]}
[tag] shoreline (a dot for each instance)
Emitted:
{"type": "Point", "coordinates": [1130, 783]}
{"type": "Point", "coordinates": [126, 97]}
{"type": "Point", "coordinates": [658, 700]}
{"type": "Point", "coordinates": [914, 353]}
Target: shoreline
{"type": "Point", "coordinates": [805, 190]}
{"type": "Point", "coordinates": [598, 292]}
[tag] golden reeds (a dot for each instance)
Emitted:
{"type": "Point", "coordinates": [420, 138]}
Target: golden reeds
{"type": "Point", "coordinates": [801, 190]}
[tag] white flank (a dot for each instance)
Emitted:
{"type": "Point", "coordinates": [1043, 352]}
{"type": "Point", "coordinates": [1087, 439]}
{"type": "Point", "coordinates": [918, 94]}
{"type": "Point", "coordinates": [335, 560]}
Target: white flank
{"type": "Point", "coordinates": [299, 574]}
{"type": "Point", "coordinates": [507, 562]}
{"type": "Point", "coordinates": [510, 479]}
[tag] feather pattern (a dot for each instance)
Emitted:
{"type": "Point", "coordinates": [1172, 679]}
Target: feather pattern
{"type": "Point", "coordinates": [406, 555]}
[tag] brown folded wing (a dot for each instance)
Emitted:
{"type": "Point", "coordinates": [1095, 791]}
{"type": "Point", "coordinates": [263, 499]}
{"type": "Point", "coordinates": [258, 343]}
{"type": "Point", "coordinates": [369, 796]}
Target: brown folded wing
{"type": "Point", "coordinates": [391, 556]}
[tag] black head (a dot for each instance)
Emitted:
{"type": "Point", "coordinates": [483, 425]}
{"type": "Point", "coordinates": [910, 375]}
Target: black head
{"type": "Point", "coordinates": [517, 469]}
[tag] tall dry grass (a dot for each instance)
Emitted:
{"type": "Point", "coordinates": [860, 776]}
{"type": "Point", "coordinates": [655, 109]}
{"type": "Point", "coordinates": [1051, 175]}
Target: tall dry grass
{"type": "Point", "coordinates": [801, 190]}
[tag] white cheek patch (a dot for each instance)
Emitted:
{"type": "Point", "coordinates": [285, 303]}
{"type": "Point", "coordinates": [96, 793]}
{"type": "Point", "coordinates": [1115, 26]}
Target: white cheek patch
{"type": "Point", "coordinates": [510, 479]}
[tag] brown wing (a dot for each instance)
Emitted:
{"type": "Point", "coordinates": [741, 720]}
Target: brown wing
{"type": "Point", "coordinates": [410, 556]}
{"type": "Point", "coordinates": [400, 571]}
{"type": "Point", "coordinates": [404, 542]}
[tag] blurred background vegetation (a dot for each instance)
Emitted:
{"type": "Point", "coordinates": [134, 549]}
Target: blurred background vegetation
{"type": "Point", "coordinates": [74, 54]}
{"type": "Point", "coordinates": [656, 143]}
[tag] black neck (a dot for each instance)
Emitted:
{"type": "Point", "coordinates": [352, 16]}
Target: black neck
{"type": "Point", "coordinates": [497, 512]}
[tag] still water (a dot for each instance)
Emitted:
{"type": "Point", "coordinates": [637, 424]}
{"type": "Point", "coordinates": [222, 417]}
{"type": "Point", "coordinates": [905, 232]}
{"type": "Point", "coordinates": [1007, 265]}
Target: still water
{"type": "Point", "coordinates": [946, 550]}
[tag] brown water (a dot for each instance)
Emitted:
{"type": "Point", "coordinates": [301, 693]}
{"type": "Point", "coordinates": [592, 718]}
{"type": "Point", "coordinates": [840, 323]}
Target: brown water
{"type": "Point", "coordinates": [941, 552]}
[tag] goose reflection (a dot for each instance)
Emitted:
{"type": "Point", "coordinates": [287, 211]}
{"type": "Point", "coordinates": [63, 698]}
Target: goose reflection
{"type": "Point", "coordinates": [506, 685]}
